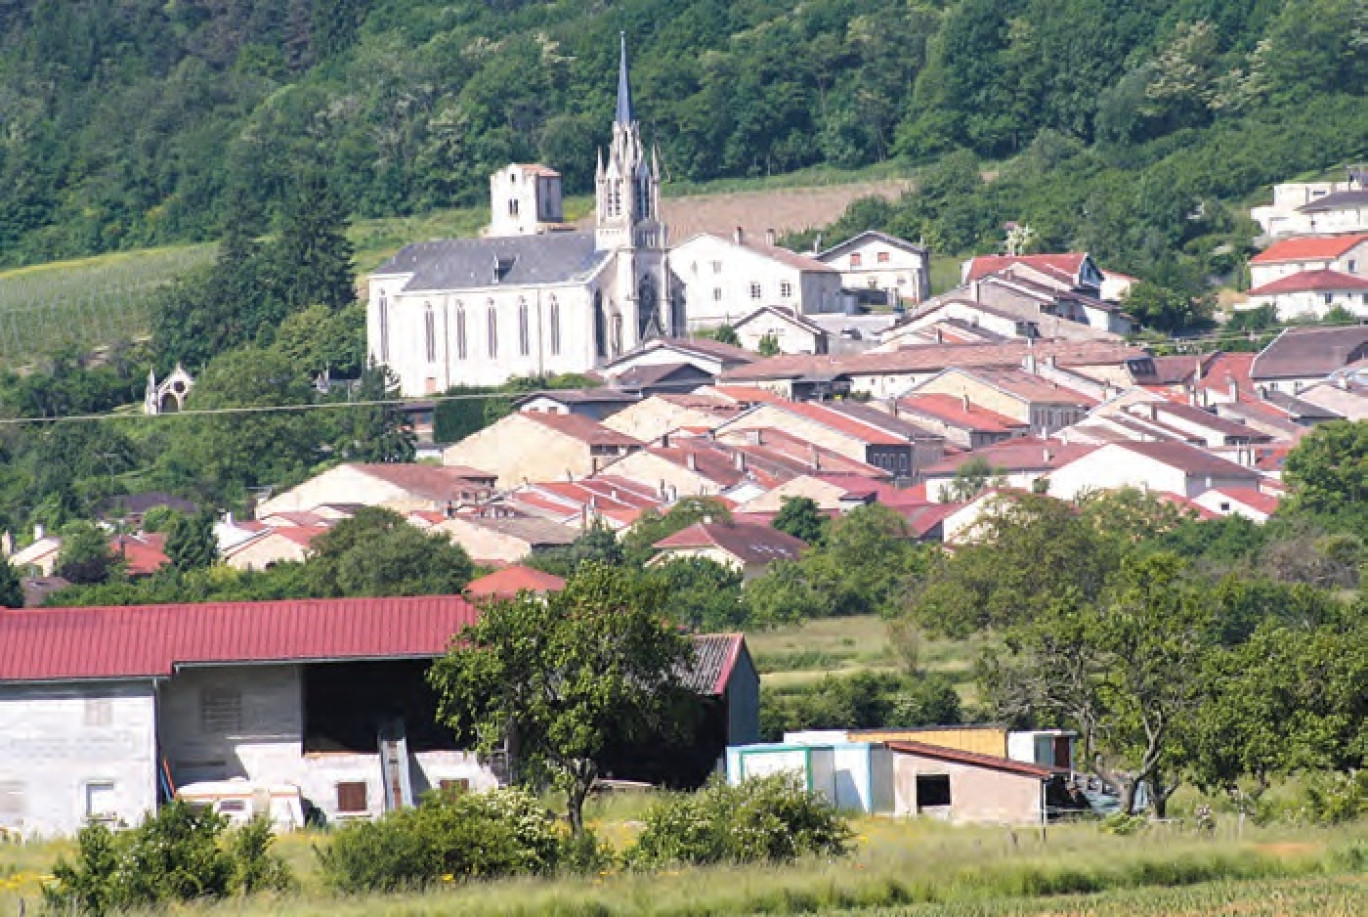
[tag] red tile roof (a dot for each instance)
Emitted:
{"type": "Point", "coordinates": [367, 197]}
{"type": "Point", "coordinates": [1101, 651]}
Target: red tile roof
{"type": "Point", "coordinates": [510, 581]}
{"type": "Point", "coordinates": [974, 759]}
{"type": "Point", "coordinates": [1251, 497]}
{"type": "Point", "coordinates": [751, 544]}
{"type": "Point", "coordinates": [144, 641]}
{"type": "Point", "coordinates": [1310, 352]}
{"type": "Point", "coordinates": [954, 411]}
{"type": "Point", "coordinates": [844, 423]}
{"type": "Point", "coordinates": [431, 482]}
{"type": "Point", "coordinates": [1186, 504]}
{"type": "Point", "coordinates": [1029, 386]}
{"type": "Point", "coordinates": [746, 394]}
{"type": "Point", "coordinates": [1308, 248]}
{"type": "Point", "coordinates": [581, 428]}
{"type": "Point", "coordinates": [1313, 281]}
{"type": "Point", "coordinates": [1026, 453]}
{"type": "Point", "coordinates": [1065, 266]}
{"type": "Point", "coordinates": [142, 554]}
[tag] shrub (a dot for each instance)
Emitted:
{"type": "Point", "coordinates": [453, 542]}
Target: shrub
{"type": "Point", "coordinates": [771, 819]}
{"type": "Point", "coordinates": [179, 854]}
{"type": "Point", "coordinates": [449, 836]}
{"type": "Point", "coordinates": [1333, 799]}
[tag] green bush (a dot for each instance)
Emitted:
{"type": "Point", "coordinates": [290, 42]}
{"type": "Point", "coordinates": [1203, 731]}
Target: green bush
{"type": "Point", "coordinates": [771, 819]}
{"type": "Point", "coordinates": [1333, 799]}
{"type": "Point", "coordinates": [180, 854]}
{"type": "Point", "coordinates": [449, 836]}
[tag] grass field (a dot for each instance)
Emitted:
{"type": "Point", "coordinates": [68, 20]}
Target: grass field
{"type": "Point", "coordinates": [897, 867]}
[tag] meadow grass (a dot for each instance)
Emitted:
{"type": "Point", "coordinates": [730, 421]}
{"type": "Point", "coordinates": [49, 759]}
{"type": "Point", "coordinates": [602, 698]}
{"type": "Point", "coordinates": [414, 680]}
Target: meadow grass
{"type": "Point", "coordinates": [897, 866]}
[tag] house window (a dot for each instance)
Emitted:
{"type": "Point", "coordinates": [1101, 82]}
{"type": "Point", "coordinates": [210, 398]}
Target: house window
{"type": "Point", "coordinates": [99, 800]}
{"type": "Point", "coordinates": [220, 711]}
{"type": "Point", "coordinates": [717, 294]}
{"type": "Point", "coordinates": [460, 331]}
{"type": "Point", "coordinates": [384, 329]}
{"type": "Point", "coordinates": [881, 257]}
{"type": "Point", "coordinates": [1329, 298]}
{"type": "Point", "coordinates": [430, 334]}
{"type": "Point", "coordinates": [933, 790]}
{"type": "Point", "coordinates": [99, 711]}
{"type": "Point", "coordinates": [785, 289]}
{"type": "Point", "coordinates": [524, 337]}
{"type": "Point", "coordinates": [717, 267]}
{"type": "Point", "coordinates": [492, 321]}
{"type": "Point", "coordinates": [1351, 266]}
{"type": "Point", "coordinates": [555, 327]}
{"type": "Point", "coordinates": [754, 290]}
{"type": "Point", "coordinates": [856, 260]}
{"type": "Point", "coordinates": [513, 207]}
{"type": "Point", "coordinates": [693, 268]}
{"type": "Point", "coordinates": [351, 798]}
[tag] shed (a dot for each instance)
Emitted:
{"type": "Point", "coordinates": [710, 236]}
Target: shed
{"type": "Point", "coordinates": [815, 765]}
{"type": "Point", "coordinates": [962, 786]}
{"type": "Point", "coordinates": [864, 770]}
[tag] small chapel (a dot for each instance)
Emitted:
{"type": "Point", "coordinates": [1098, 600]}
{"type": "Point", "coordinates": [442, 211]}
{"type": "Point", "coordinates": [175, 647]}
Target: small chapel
{"type": "Point", "coordinates": [533, 296]}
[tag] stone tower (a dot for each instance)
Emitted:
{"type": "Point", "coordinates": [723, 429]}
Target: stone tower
{"type": "Point", "coordinates": [627, 221]}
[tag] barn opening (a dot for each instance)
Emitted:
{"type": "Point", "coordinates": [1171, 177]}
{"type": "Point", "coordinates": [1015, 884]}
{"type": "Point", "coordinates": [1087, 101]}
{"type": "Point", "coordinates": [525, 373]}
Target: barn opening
{"type": "Point", "coordinates": [346, 704]}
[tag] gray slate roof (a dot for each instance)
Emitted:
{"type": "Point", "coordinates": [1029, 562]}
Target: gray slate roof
{"type": "Point", "coordinates": [1335, 201]}
{"type": "Point", "coordinates": [464, 264]}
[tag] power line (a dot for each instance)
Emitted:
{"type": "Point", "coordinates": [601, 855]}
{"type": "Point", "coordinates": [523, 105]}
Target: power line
{"type": "Point", "coordinates": [259, 409]}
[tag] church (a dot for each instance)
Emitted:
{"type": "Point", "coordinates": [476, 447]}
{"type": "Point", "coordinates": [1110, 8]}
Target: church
{"type": "Point", "coordinates": [533, 296]}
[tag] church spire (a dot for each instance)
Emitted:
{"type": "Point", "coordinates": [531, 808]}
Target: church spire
{"type": "Point", "coordinates": [624, 95]}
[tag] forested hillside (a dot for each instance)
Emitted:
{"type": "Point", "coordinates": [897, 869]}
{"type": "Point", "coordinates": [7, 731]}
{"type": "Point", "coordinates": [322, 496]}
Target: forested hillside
{"type": "Point", "coordinates": [130, 122]}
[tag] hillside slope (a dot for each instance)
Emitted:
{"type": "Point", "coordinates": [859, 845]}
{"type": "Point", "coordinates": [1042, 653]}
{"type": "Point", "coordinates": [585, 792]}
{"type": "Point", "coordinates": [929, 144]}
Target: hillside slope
{"type": "Point", "coordinates": [127, 122]}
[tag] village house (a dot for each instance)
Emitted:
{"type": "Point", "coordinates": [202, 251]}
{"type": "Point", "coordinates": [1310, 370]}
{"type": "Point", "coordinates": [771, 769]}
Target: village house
{"type": "Point", "coordinates": [881, 269]}
{"type": "Point", "coordinates": [141, 555]}
{"type": "Point", "coordinates": [659, 415]}
{"type": "Point", "coordinates": [1301, 357]}
{"type": "Point", "coordinates": [787, 328]}
{"type": "Point", "coordinates": [511, 581]}
{"type": "Point", "coordinates": [748, 549]}
{"type": "Point", "coordinates": [1316, 208]}
{"type": "Point", "coordinates": [108, 711]}
{"type": "Point", "coordinates": [1013, 464]}
{"type": "Point", "coordinates": [1164, 467]}
{"type": "Point", "coordinates": [1311, 295]}
{"type": "Point", "coordinates": [1253, 504]}
{"type": "Point", "coordinates": [1066, 270]}
{"type": "Point", "coordinates": [534, 446]}
{"type": "Point", "coordinates": [605, 499]}
{"type": "Point", "coordinates": [1287, 257]}
{"type": "Point", "coordinates": [708, 357]}
{"type": "Point", "coordinates": [722, 280]}
{"type": "Point", "coordinates": [1026, 398]}
{"type": "Point", "coordinates": [400, 487]}
{"type": "Point", "coordinates": [595, 403]}
{"type": "Point", "coordinates": [500, 538]}
{"type": "Point", "coordinates": [962, 422]}
{"type": "Point", "coordinates": [272, 545]}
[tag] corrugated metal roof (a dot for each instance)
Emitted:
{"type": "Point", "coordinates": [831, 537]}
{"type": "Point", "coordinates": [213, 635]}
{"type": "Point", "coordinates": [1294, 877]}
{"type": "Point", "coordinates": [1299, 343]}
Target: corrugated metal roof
{"type": "Point", "coordinates": [714, 659]}
{"type": "Point", "coordinates": [52, 644]}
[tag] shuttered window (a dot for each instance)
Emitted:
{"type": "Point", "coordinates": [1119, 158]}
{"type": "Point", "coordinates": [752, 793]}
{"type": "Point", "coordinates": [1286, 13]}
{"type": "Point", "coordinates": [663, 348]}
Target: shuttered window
{"type": "Point", "coordinates": [351, 797]}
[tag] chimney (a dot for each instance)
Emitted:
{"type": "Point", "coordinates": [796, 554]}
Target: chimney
{"type": "Point", "coordinates": [940, 338]}
{"type": "Point", "coordinates": [1234, 389]}
{"type": "Point", "coordinates": [1029, 363]}
{"type": "Point", "coordinates": [1049, 455]}
{"type": "Point", "coordinates": [816, 459]}
{"type": "Point", "coordinates": [665, 441]}
{"type": "Point", "coordinates": [964, 400]}
{"type": "Point", "coordinates": [39, 530]}
{"type": "Point", "coordinates": [739, 235]}
{"type": "Point", "coordinates": [817, 244]}
{"type": "Point", "coordinates": [756, 437]}
{"type": "Point", "coordinates": [1197, 374]}
{"type": "Point", "coordinates": [769, 237]}
{"type": "Point", "coordinates": [741, 462]}
{"type": "Point", "coordinates": [691, 459]}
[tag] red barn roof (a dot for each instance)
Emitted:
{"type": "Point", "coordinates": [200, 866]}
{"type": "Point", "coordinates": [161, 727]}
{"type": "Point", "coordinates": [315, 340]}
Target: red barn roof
{"type": "Point", "coordinates": [147, 641]}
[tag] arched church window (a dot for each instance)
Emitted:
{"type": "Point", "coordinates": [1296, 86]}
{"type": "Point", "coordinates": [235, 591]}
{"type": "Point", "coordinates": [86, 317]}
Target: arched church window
{"type": "Point", "coordinates": [461, 349]}
{"type": "Point", "coordinates": [429, 333]}
{"type": "Point", "coordinates": [647, 304]}
{"type": "Point", "coordinates": [524, 337]}
{"type": "Point", "coordinates": [384, 329]}
{"type": "Point", "coordinates": [555, 327]}
{"type": "Point", "coordinates": [492, 320]}
{"type": "Point", "coordinates": [617, 335]}
{"type": "Point", "coordinates": [600, 327]}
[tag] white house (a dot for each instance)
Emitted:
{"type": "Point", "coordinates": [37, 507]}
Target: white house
{"type": "Point", "coordinates": [722, 280]}
{"type": "Point", "coordinates": [1161, 467]}
{"type": "Point", "coordinates": [1316, 208]}
{"type": "Point", "coordinates": [1312, 294]}
{"type": "Point", "coordinates": [789, 329]}
{"type": "Point", "coordinates": [1342, 254]}
{"type": "Point", "coordinates": [877, 263]}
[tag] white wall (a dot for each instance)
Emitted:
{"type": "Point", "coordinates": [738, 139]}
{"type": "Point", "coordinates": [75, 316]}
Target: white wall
{"type": "Point", "coordinates": [57, 740]}
{"type": "Point", "coordinates": [1312, 303]}
{"type": "Point", "coordinates": [1353, 262]}
{"type": "Point", "coordinates": [715, 276]}
{"type": "Point", "coordinates": [909, 273]}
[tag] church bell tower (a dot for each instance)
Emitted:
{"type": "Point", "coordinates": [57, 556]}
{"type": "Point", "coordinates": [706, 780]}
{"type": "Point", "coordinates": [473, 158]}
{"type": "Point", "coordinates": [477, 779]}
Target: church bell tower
{"type": "Point", "coordinates": [627, 220]}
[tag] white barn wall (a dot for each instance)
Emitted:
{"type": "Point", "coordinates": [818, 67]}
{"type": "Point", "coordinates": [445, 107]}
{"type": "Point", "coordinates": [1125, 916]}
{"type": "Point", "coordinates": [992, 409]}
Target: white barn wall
{"type": "Point", "coordinates": [57, 739]}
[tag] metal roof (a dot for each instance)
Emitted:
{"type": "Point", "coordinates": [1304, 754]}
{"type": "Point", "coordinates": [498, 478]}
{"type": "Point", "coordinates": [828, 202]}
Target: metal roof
{"type": "Point", "coordinates": [465, 264]}
{"type": "Point", "coordinates": [149, 641]}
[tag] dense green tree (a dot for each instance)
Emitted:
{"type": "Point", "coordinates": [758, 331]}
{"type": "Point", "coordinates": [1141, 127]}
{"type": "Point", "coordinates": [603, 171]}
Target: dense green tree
{"type": "Point", "coordinates": [191, 543]}
{"type": "Point", "coordinates": [800, 517]}
{"type": "Point", "coordinates": [597, 543]}
{"type": "Point", "coordinates": [704, 595]}
{"type": "Point", "coordinates": [1328, 470]}
{"type": "Point", "coordinates": [376, 553]}
{"type": "Point", "coordinates": [11, 589]}
{"type": "Point", "coordinates": [651, 526]}
{"type": "Point", "coordinates": [564, 677]}
{"type": "Point", "coordinates": [311, 260]}
{"type": "Point", "coordinates": [85, 556]}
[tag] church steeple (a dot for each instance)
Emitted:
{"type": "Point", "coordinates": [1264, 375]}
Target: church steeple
{"type": "Point", "coordinates": [624, 89]}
